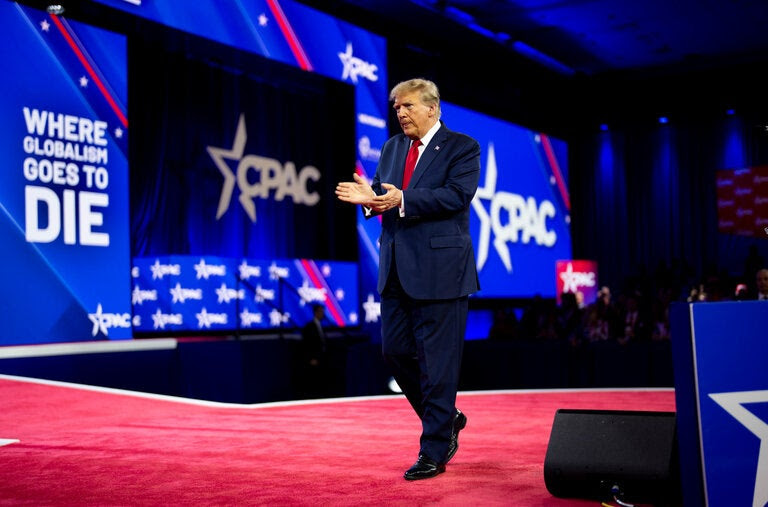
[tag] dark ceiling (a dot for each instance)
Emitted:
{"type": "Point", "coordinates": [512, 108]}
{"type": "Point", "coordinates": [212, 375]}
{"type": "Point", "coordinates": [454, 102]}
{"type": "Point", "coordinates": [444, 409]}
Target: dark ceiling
{"type": "Point", "coordinates": [587, 37]}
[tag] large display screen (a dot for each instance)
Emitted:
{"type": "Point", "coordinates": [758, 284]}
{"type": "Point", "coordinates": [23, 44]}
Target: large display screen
{"type": "Point", "coordinates": [65, 255]}
{"type": "Point", "coordinates": [520, 218]}
{"type": "Point", "coordinates": [208, 294]}
{"type": "Point", "coordinates": [294, 34]}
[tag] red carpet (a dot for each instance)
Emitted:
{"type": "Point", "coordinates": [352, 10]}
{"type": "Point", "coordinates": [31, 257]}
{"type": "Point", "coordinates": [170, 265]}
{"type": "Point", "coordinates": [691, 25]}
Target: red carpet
{"type": "Point", "coordinates": [88, 446]}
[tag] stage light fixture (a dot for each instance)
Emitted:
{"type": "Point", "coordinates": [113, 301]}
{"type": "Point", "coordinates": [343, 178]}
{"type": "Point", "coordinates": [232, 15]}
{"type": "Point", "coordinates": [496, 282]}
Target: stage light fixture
{"type": "Point", "coordinates": [604, 127]}
{"type": "Point", "coordinates": [730, 112]}
{"type": "Point", "coordinates": [56, 9]}
{"type": "Point", "coordinates": [663, 120]}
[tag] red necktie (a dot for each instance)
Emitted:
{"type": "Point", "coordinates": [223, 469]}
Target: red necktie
{"type": "Point", "coordinates": [410, 162]}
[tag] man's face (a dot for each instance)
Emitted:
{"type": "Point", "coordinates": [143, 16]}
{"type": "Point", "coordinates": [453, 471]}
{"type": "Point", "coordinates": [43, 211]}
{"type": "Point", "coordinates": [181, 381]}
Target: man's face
{"type": "Point", "coordinates": [762, 281]}
{"type": "Point", "coordinates": [415, 117]}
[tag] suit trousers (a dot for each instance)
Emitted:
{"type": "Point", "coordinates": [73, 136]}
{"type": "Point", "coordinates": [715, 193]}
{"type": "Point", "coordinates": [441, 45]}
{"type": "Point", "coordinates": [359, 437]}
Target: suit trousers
{"type": "Point", "coordinates": [422, 342]}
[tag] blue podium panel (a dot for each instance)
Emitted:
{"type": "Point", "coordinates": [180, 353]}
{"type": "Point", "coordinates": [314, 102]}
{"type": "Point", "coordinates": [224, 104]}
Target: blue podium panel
{"type": "Point", "coordinates": [728, 352]}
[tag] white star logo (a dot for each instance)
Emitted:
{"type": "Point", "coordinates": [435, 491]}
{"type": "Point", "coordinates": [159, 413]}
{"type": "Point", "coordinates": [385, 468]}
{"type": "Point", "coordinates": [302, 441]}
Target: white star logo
{"type": "Point", "coordinates": [487, 192]}
{"type": "Point", "coordinates": [118, 133]}
{"type": "Point", "coordinates": [177, 294]}
{"type": "Point", "coordinates": [156, 270]}
{"type": "Point", "coordinates": [203, 319]}
{"type": "Point", "coordinates": [733, 403]}
{"type": "Point", "coordinates": [263, 19]}
{"type": "Point", "coordinates": [372, 309]}
{"type": "Point", "coordinates": [570, 280]}
{"type": "Point", "coordinates": [347, 60]}
{"type": "Point", "coordinates": [45, 25]}
{"type": "Point", "coordinates": [157, 320]}
{"type": "Point", "coordinates": [98, 322]}
{"type": "Point", "coordinates": [83, 82]}
{"type": "Point", "coordinates": [235, 153]}
{"type": "Point", "coordinates": [277, 319]}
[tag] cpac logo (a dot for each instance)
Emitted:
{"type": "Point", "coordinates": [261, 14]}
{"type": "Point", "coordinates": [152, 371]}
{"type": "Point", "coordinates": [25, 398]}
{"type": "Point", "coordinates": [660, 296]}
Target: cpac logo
{"type": "Point", "coordinates": [262, 295]}
{"type": "Point", "coordinates": [205, 319]}
{"type": "Point", "coordinates": [277, 319]}
{"type": "Point", "coordinates": [276, 272]}
{"type": "Point", "coordinates": [309, 294]}
{"type": "Point", "coordinates": [572, 280]}
{"type": "Point", "coordinates": [160, 319]}
{"type": "Point", "coordinates": [247, 319]}
{"type": "Point", "coordinates": [205, 271]}
{"type": "Point", "coordinates": [102, 322]}
{"type": "Point", "coordinates": [160, 270]}
{"type": "Point", "coordinates": [272, 176]}
{"type": "Point", "coordinates": [180, 294]}
{"type": "Point", "coordinates": [138, 296]}
{"type": "Point", "coordinates": [527, 219]}
{"type": "Point", "coordinates": [247, 271]}
{"type": "Point", "coordinates": [226, 294]}
{"type": "Point", "coordinates": [354, 67]}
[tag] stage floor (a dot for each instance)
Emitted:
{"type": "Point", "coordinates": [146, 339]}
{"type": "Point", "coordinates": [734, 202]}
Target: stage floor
{"type": "Point", "coordinates": [68, 444]}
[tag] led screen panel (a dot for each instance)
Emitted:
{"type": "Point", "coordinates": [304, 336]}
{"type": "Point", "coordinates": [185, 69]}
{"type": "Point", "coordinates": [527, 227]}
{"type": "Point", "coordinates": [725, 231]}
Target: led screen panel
{"type": "Point", "coordinates": [223, 294]}
{"type": "Point", "coordinates": [64, 183]}
{"type": "Point", "coordinates": [520, 220]}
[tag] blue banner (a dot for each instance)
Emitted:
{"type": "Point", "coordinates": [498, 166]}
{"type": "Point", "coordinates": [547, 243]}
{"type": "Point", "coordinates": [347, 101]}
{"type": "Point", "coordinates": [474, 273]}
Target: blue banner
{"type": "Point", "coordinates": [64, 184]}
{"type": "Point", "coordinates": [520, 221]}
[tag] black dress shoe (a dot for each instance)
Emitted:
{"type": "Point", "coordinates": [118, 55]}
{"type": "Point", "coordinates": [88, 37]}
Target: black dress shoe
{"type": "Point", "coordinates": [459, 422]}
{"type": "Point", "coordinates": [424, 468]}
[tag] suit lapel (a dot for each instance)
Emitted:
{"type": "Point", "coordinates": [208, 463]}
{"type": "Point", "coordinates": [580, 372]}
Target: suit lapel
{"type": "Point", "coordinates": [431, 152]}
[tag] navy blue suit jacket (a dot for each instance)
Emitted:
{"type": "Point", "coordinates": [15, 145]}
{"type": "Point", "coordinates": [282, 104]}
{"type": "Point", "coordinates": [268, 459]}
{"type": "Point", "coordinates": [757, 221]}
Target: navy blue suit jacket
{"type": "Point", "coordinates": [431, 244]}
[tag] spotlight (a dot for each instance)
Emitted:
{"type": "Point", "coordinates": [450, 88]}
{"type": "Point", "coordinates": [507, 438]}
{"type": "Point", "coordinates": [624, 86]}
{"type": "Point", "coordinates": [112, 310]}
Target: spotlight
{"type": "Point", "coordinates": [604, 127]}
{"type": "Point", "coordinates": [663, 120]}
{"type": "Point", "coordinates": [730, 112]}
{"type": "Point", "coordinates": [56, 9]}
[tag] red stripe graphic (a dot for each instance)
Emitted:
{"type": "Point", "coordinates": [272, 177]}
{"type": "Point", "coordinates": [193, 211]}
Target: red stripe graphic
{"type": "Point", "coordinates": [556, 170]}
{"type": "Point", "coordinates": [290, 36]}
{"type": "Point", "coordinates": [90, 70]}
{"type": "Point", "coordinates": [309, 268]}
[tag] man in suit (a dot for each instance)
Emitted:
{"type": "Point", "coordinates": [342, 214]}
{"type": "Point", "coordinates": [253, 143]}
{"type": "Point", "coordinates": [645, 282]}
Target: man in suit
{"type": "Point", "coordinates": [313, 370]}
{"type": "Point", "coordinates": [427, 263]}
{"type": "Point", "coordinates": [761, 284]}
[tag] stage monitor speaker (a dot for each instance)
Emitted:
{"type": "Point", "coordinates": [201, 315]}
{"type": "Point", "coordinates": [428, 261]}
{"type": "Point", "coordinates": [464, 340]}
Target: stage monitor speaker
{"type": "Point", "coordinates": [603, 455]}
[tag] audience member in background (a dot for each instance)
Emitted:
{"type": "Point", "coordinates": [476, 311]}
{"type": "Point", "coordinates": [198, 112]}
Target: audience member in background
{"type": "Point", "coordinates": [504, 326]}
{"type": "Point", "coordinates": [313, 369]}
{"type": "Point", "coordinates": [741, 292]}
{"type": "Point", "coordinates": [601, 318]}
{"type": "Point", "coordinates": [697, 294]}
{"type": "Point", "coordinates": [660, 314]}
{"type": "Point", "coordinates": [547, 327]}
{"type": "Point", "coordinates": [761, 284]}
{"type": "Point", "coordinates": [533, 315]}
{"type": "Point", "coordinates": [633, 320]}
{"type": "Point", "coordinates": [752, 264]}
{"type": "Point", "coordinates": [569, 318]}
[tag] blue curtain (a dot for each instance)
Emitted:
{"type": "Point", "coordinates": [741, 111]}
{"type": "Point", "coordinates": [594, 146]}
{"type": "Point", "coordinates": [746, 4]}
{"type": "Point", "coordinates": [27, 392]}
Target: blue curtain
{"type": "Point", "coordinates": [645, 205]}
